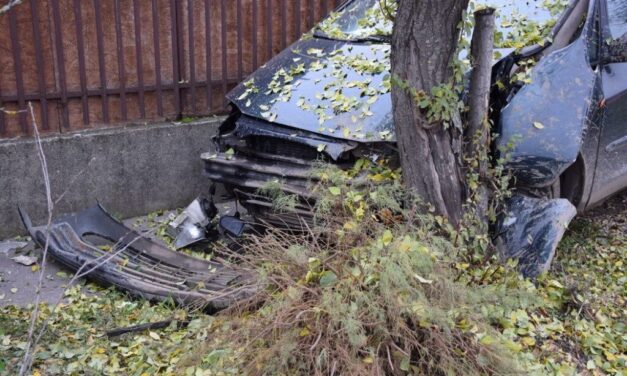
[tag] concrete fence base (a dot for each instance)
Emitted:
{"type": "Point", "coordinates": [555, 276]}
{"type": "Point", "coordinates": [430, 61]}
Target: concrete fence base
{"type": "Point", "coordinates": [132, 171]}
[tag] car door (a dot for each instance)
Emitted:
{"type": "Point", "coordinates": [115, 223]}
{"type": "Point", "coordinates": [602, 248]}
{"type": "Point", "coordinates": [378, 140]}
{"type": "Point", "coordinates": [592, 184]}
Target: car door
{"type": "Point", "coordinates": [611, 171]}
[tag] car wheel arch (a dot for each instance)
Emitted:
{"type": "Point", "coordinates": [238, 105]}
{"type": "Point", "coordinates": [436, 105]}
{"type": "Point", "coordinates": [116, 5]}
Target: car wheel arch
{"type": "Point", "coordinates": [571, 183]}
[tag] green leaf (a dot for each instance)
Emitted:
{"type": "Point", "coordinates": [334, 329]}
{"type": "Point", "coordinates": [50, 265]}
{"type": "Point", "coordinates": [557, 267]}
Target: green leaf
{"type": "Point", "coordinates": [404, 364]}
{"type": "Point", "coordinates": [328, 279]}
{"type": "Point", "coordinates": [335, 191]}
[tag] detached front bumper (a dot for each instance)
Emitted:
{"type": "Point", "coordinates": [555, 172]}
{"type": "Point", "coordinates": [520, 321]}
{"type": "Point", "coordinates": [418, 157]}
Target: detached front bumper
{"type": "Point", "coordinates": [93, 243]}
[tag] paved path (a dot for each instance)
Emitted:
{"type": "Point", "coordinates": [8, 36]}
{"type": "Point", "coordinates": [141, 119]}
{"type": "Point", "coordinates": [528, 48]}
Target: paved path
{"type": "Point", "coordinates": [18, 282]}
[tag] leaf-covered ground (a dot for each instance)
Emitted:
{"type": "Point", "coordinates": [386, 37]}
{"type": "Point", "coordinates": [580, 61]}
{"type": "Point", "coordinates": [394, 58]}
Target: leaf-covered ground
{"type": "Point", "coordinates": [580, 328]}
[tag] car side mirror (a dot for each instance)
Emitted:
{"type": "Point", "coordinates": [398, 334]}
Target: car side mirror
{"type": "Point", "coordinates": [616, 51]}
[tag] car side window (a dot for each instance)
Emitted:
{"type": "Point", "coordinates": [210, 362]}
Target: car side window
{"type": "Point", "coordinates": [594, 40]}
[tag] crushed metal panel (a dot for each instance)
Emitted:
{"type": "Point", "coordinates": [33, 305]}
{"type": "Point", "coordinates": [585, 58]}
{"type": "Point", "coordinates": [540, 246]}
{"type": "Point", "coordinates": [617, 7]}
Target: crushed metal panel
{"type": "Point", "coordinates": [530, 231]}
{"type": "Point", "coordinates": [547, 119]}
{"type": "Point", "coordinates": [138, 265]}
{"type": "Point", "coordinates": [321, 57]}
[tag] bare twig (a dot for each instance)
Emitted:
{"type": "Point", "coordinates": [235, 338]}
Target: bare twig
{"type": "Point", "coordinates": [141, 327]}
{"type": "Point", "coordinates": [27, 360]}
{"type": "Point", "coordinates": [6, 7]}
{"type": "Point", "coordinates": [33, 340]}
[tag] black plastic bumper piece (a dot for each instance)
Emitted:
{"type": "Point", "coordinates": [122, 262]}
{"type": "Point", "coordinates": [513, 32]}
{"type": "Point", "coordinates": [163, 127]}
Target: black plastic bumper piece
{"type": "Point", "coordinates": [138, 265]}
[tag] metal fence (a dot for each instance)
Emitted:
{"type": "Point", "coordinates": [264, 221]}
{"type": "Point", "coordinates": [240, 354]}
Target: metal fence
{"type": "Point", "coordinates": [92, 63]}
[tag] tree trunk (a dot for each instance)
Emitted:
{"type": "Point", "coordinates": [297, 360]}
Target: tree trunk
{"type": "Point", "coordinates": [478, 133]}
{"type": "Point", "coordinates": [424, 44]}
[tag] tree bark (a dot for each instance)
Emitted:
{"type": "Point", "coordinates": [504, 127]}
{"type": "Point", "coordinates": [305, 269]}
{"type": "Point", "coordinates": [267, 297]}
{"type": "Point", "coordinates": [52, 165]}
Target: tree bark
{"type": "Point", "coordinates": [478, 133]}
{"type": "Point", "coordinates": [424, 43]}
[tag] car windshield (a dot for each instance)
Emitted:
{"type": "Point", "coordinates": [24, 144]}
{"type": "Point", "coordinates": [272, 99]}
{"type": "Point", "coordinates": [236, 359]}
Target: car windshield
{"type": "Point", "coordinates": [363, 19]}
{"type": "Point", "coordinates": [360, 19]}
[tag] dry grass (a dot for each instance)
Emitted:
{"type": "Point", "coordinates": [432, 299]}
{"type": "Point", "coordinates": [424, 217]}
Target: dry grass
{"type": "Point", "coordinates": [365, 294]}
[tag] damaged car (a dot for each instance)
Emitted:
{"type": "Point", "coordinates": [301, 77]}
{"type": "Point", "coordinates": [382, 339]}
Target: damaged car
{"type": "Point", "coordinates": [327, 97]}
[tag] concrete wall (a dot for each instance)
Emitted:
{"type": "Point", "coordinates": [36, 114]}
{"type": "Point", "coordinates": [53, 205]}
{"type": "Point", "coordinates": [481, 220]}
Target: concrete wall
{"type": "Point", "coordinates": [131, 171]}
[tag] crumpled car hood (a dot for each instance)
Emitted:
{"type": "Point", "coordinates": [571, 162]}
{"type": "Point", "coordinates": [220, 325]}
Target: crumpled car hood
{"type": "Point", "coordinates": [334, 88]}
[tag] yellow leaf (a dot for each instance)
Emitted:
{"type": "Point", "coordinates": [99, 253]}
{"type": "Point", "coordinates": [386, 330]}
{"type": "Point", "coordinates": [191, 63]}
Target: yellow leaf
{"type": "Point", "coordinates": [349, 226]}
{"type": "Point", "coordinates": [378, 178]}
{"type": "Point", "coordinates": [304, 332]}
{"type": "Point", "coordinates": [486, 340]}
{"type": "Point", "coordinates": [387, 237]}
{"type": "Point", "coordinates": [368, 360]}
{"type": "Point", "coordinates": [528, 341]}
{"type": "Point", "coordinates": [538, 125]}
{"type": "Point", "coordinates": [154, 336]}
{"type": "Point", "coordinates": [611, 357]}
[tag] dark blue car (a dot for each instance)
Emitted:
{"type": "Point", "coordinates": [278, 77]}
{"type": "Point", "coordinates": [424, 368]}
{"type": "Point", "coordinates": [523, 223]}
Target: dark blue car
{"type": "Point", "coordinates": [327, 97]}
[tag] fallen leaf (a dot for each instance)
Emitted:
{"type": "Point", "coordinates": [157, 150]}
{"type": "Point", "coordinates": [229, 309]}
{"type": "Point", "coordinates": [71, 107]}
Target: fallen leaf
{"type": "Point", "coordinates": [423, 280]}
{"type": "Point", "coordinates": [335, 191]}
{"type": "Point", "coordinates": [25, 260]}
{"type": "Point", "coordinates": [14, 290]}
{"type": "Point", "coordinates": [538, 125]}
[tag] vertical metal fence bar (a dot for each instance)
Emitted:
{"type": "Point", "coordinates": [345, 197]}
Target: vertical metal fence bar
{"type": "Point", "coordinates": [80, 51]}
{"type": "Point", "coordinates": [269, 29]}
{"type": "Point", "coordinates": [3, 127]}
{"type": "Point", "coordinates": [192, 55]}
{"type": "Point", "coordinates": [312, 14]}
{"type": "Point", "coordinates": [17, 66]}
{"type": "Point", "coordinates": [180, 52]}
{"type": "Point", "coordinates": [283, 24]}
{"type": "Point", "coordinates": [224, 47]}
{"type": "Point", "coordinates": [175, 58]}
{"type": "Point", "coordinates": [58, 38]}
{"type": "Point", "coordinates": [208, 56]}
{"type": "Point", "coordinates": [139, 58]}
{"type": "Point", "coordinates": [120, 49]}
{"type": "Point", "coordinates": [255, 33]}
{"type": "Point", "coordinates": [157, 47]}
{"type": "Point", "coordinates": [240, 38]}
{"type": "Point", "coordinates": [297, 19]}
{"type": "Point", "coordinates": [101, 61]}
{"type": "Point", "coordinates": [39, 62]}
